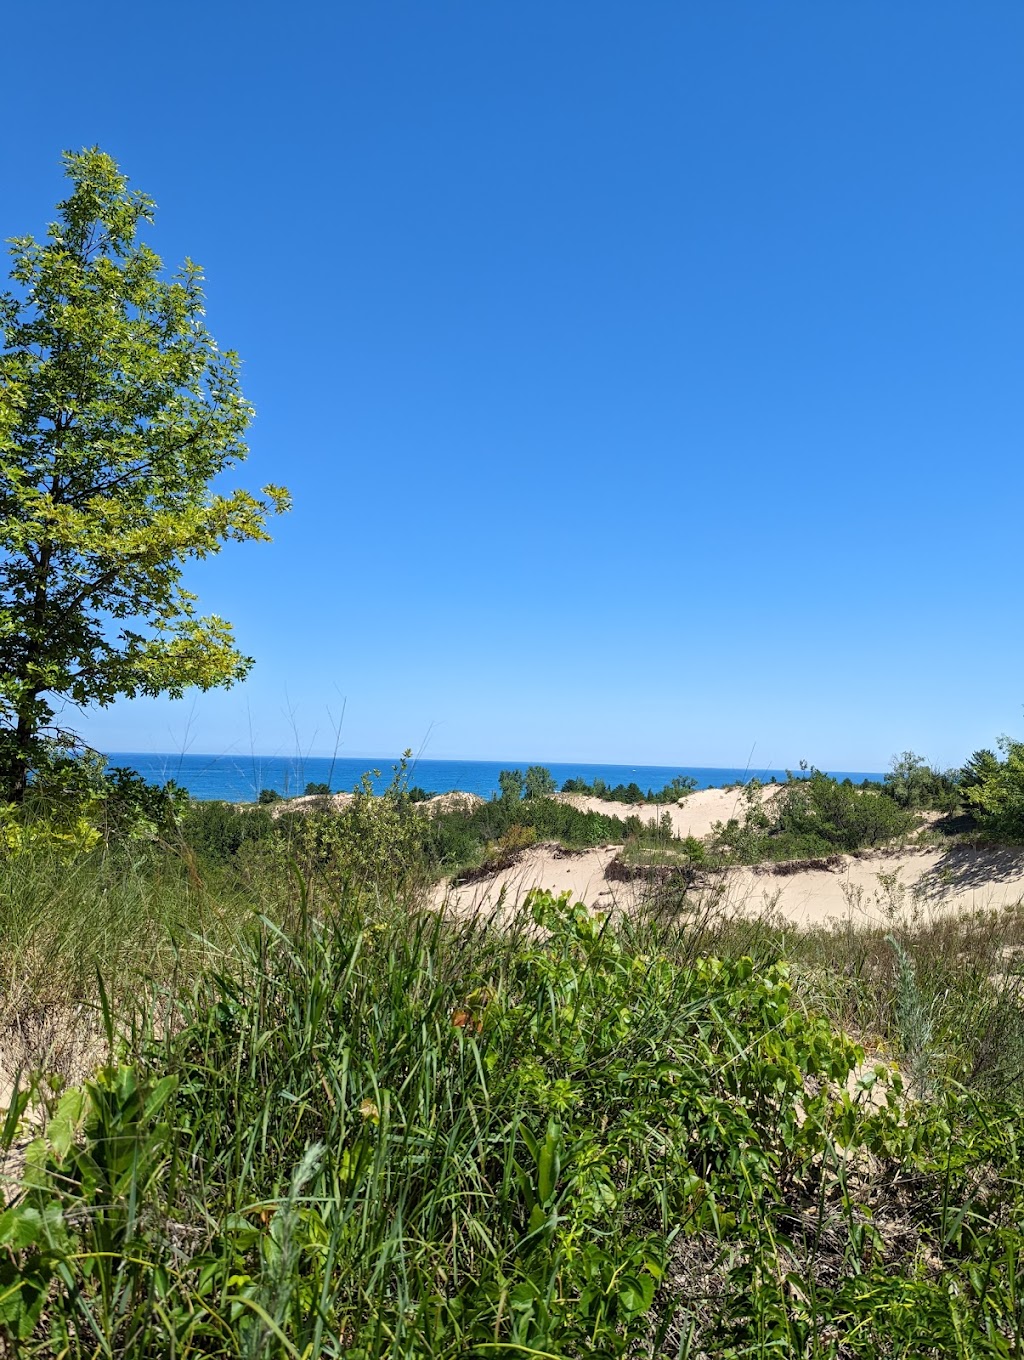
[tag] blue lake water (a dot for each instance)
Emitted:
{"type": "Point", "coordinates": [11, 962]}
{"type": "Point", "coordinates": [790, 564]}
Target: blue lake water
{"type": "Point", "coordinates": [239, 779]}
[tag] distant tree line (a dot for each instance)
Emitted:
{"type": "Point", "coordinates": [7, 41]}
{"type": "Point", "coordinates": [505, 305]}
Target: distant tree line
{"type": "Point", "coordinates": [676, 788]}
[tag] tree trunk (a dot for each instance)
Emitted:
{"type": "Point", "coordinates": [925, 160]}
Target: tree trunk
{"type": "Point", "coordinates": [17, 765]}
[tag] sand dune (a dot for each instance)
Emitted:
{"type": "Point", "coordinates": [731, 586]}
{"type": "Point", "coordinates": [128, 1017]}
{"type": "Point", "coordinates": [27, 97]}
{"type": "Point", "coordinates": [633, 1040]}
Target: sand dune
{"type": "Point", "coordinates": [865, 887]}
{"type": "Point", "coordinates": [693, 816]}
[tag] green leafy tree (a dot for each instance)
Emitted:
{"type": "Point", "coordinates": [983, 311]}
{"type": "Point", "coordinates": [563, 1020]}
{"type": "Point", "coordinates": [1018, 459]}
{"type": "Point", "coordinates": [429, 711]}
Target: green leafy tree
{"type": "Point", "coordinates": [117, 411]}
{"type": "Point", "coordinates": [913, 783]}
{"type": "Point", "coordinates": [539, 782]}
{"type": "Point", "coordinates": [512, 784]}
{"type": "Point", "coordinates": [995, 791]}
{"type": "Point", "coordinates": [982, 766]}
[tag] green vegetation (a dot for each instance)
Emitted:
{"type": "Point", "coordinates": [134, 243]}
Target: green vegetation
{"type": "Point", "coordinates": [808, 818]}
{"type": "Point", "coordinates": [912, 783]}
{"type": "Point", "coordinates": [117, 412]}
{"type": "Point", "coordinates": [994, 790]}
{"type": "Point", "coordinates": [538, 782]}
{"type": "Point", "coordinates": [76, 802]}
{"type": "Point", "coordinates": [535, 783]}
{"type": "Point", "coordinates": [461, 839]}
{"type": "Point", "coordinates": [360, 1129]}
{"type": "Point", "coordinates": [321, 1121]}
{"type": "Point", "coordinates": [675, 789]}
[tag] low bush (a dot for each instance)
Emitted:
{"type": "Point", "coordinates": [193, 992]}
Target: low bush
{"type": "Point", "coordinates": [457, 839]}
{"type": "Point", "coordinates": [810, 818]}
{"type": "Point", "coordinates": [375, 842]}
{"type": "Point", "coordinates": [216, 831]}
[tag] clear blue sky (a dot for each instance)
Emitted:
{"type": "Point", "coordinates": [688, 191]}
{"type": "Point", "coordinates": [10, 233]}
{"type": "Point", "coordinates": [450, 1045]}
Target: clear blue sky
{"type": "Point", "coordinates": [648, 377]}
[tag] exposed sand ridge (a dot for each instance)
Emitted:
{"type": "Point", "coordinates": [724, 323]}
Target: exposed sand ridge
{"type": "Point", "coordinates": [869, 885]}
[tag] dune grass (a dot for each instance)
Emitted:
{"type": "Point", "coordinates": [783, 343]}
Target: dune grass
{"type": "Point", "coordinates": [336, 1125]}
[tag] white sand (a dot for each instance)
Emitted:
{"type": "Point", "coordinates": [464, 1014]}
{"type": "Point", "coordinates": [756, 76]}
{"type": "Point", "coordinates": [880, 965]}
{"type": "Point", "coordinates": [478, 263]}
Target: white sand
{"type": "Point", "coordinates": [859, 888]}
{"type": "Point", "coordinates": [926, 881]}
{"type": "Point", "coordinates": [694, 816]}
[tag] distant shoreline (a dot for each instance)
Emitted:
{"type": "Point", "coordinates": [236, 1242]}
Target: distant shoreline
{"type": "Point", "coordinates": [239, 779]}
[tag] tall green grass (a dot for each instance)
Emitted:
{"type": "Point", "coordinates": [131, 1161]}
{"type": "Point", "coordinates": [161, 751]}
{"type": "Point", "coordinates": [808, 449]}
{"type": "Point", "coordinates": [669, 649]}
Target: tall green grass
{"type": "Point", "coordinates": [125, 910]}
{"type": "Point", "coordinates": [372, 1131]}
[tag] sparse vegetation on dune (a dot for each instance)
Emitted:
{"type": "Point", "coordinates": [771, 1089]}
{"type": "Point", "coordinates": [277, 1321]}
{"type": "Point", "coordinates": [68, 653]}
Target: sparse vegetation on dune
{"type": "Point", "coordinates": [808, 818]}
{"type": "Point", "coordinates": [678, 787]}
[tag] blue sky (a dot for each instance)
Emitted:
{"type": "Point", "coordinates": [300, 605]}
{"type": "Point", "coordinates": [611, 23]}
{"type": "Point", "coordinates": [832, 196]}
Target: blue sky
{"type": "Point", "coordinates": [648, 378]}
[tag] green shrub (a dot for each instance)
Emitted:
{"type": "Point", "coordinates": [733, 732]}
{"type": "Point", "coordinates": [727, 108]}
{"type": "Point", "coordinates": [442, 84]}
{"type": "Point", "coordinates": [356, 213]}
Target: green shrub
{"type": "Point", "coordinates": [912, 783]}
{"type": "Point", "coordinates": [994, 791]}
{"type": "Point", "coordinates": [216, 831]}
{"type": "Point", "coordinates": [457, 839]}
{"type": "Point", "coordinates": [375, 842]}
{"type": "Point", "coordinates": [810, 818]}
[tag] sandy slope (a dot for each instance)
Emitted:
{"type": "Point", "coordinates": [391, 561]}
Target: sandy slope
{"type": "Point", "coordinates": [861, 886]}
{"type": "Point", "coordinates": [694, 816]}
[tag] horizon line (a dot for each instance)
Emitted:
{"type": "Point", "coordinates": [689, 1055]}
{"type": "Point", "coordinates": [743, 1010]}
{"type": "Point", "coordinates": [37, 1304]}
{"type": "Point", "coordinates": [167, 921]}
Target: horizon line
{"type": "Point", "coordinates": [460, 760]}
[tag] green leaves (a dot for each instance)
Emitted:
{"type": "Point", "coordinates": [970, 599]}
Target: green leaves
{"type": "Point", "coordinates": [995, 791]}
{"type": "Point", "coordinates": [28, 1235]}
{"type": "Point", "coordinates": [117, 411]}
